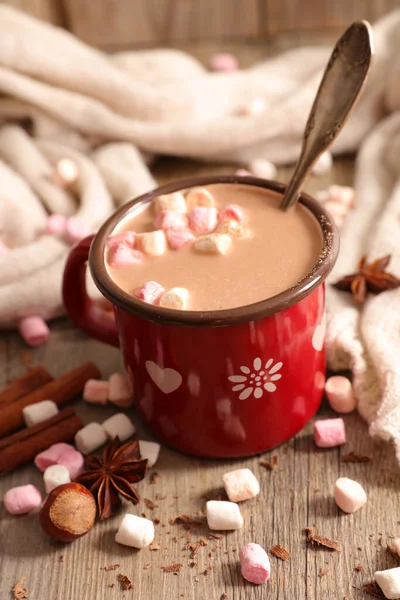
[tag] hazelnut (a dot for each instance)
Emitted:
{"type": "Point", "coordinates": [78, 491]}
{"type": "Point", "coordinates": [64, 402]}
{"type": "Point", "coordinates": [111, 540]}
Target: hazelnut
{"type": "Point", "coordinates": [68, 512]}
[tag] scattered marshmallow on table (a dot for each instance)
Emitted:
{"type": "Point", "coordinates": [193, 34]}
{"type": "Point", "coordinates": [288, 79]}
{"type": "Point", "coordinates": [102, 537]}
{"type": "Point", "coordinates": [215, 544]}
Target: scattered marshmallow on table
{"type": "Point", "coordinates": [174, 201]}
{"type": "Point", "coordinates": [61, 454]}
{"type": "Point", "coordinates": [167, 219]}
{"type": "Point", "coordinates": [22, 499]}
{"type": "Point", "coordinates": [118, 425]}
{"type": "Point", "coordinates": [75, 230]}
{"type": "Point", "coordinates": [34, 330]}
{"type": "Point", "coordinates": [177, 238]}
{"type": "Point", "coordinates": [149, 292]}
{"type": "Point", "coordinates": [127, 238]}
{"type": "Point", "coordinates": [240, 485]}
{"type": "Point", "coordinates": [339, 194]}
{"type": "Point", "coordinates": [90, 437]}
{"type": "Point", "coordinates": [203, 219]}
{"type": "Point", "coordinates": [149, 450]}
{"type": "Point", "coordinates": [96, 391]}
{"type": "Point", "coordinates": [336, 209]}
{"type": "Point", "coordinates": [340, 394]}
{"type": "Point", "coordinates": [56, 224]}
{"type": "Point", "coordinates": [231, 211]}
{"type": "Point", "coordinates": [389, 582]}
{"type": "Point", "coordinates": [349, 494]}
{"type": "Point", "coordinates": [41, 411]}
{"type": "Point", "coordinates": [177, 298]}
{"type": "Point", "coordinates": [329, 433]}
{"type": "Point", "coordinates": [224, 61]}
{"type": "Point", "coordinates": [123, 256]}
{"type": "Point", "coordinates": [254, 563]}
{"type": "Point", "coordinates": [152, 243]}
{"type": "Point", "coordinates": [215, 243]}
{"type": "Point", "coordinates": [222, 515]}
{"type": "Point", "coordinates": [261, 167]}
{"type": "Point", "coordinates": [232, 228]}
{"type": "Point", "coordinates": [323, 165]}
{"type": "Point", "coordinates": [199, 197]}
{"type": "Point", "coordinates": [119, 393]}
{"type": "Point", "coordinates": [54, 476]}
{"type": "Point", "coordinates": [136, 532]}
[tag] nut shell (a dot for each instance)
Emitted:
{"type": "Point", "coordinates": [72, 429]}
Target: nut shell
{"type": "Point", "coordinates": [68, 513]}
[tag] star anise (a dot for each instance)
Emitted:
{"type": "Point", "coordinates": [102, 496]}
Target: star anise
{"type": "Point", "coordinates": [112, 475]}
{"type": "Point", "coordinates": [370, 278]}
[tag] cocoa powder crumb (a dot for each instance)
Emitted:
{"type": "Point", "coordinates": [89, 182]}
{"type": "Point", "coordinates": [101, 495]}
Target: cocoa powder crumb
{"type": "Point", "coordinates": [154, 478]}
{"type": "Point", "coordinates": [280, 552]}
{"type": "Point", "coordinates": [156, 521]}
{"type": "Point", "coordinates": [319, 540]}
{"type": "Point", "coordinates": [203, 542]}
{"type": "Point", "coordinates": [360, 548]}
{"type": "Point", "coordinates": [125, 582]}
{"type": "Point", "coordinates": [359, 568]}
{"type": "Point", "coordinates": [355, 458]}
{"type": "Point", "coordinates": [373, 589]}
{"type": "Point", "coordinates": [154, 546]}
{"type": "Point", "coordinates": [147, 566]}
{"type": "Point", "coordinates": [193, 564]}
{"type": "Point", "coordinates": [215, 536]}
{"type": "Point", "coordinates": [19, 591]}
{"type": "Point", "coordinates": [323, 572]}
{"type": "Point", "coordinates": [208, 570]}
{"type": "Point", "coordinates": [223, 596]}
{"type": "Point", "coordinates": [61, 559]}
{"type": "Point", "coordinates": [173, 568]}
{"type": "Point", "coordinates": [110, 568]}
{"type": "Point", "coordinates": [150, 504]}
{"type": "Point", "coordinates": [174, 539]}
{"type": "Point", "coordinates": [111, 585]}
{"type": "Point", "coordinates": [159, 497]}
{"type": "Point", "coordinates": [185, 520]}
{"type": "Point", "coordinates": [272, 465]}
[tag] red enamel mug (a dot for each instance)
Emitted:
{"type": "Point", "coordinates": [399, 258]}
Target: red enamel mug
{"type": "Point", "coordinates": [225, 383]}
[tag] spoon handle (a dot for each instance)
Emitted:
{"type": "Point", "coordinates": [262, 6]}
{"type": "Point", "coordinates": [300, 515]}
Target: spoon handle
{"type": "Point", "coordinates": [339, 89]}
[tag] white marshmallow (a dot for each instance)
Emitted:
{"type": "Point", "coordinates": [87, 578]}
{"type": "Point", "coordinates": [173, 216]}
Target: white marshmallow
{"type": "Point", "coordinates": [175, 201]}
{"type": "Point", "coordinates": [90, 438]}
{"type": "Point", "coordinates": [389, 582]}
{"type": "Point", "coordinates": [54, 476]}
{"type": "Point", "coordinates": [177, 298]}
{"type": "Point", "coordinates": [263, 168]}
{"type": "Point", "coordinates": [340, 394]}
{"type": "Point", "coordinates": [149, 450]}
{"type": "Point", "coordinates": [232, 228]}
{"type": "Point", "coordinates": [214, 243]}
{"type": "Point", "coordinates": [41, 411]}
{"type": "Point", "coordinates": [323, 164]}
{"type": "Point", "coordinates": [152, 243]}
{"type": "Point", "coordinates": [223, 515]}
{"type": "Point", "coordinates": [241, 485]}
{"type": "Point", "coordinates": [118, 425]}
{"type": "Point", "coordinates": [199, 197]}
{"type": "Point", "coordinates": [135, 531]}
{"type": "Point", "coordinates": [349, 495]}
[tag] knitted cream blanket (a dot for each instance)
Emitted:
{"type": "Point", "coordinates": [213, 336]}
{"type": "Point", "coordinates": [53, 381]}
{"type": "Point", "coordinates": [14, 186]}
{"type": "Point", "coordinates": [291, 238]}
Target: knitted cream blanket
{"type": "Point", "coordinates": [111, 113]}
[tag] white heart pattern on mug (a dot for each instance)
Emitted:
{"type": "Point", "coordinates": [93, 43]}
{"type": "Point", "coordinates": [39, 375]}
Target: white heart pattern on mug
{"type": "Point", "coordinates": [319, 335]}
{"type": "Point", "coordinates": [167, 380]}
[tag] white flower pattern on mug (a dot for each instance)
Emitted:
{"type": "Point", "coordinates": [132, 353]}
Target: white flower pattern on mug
{"type": "Point", "coordinates": [253, 381]}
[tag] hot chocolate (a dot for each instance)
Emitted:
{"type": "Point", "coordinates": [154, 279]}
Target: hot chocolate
{"type": "Point", "coordinates": [217, 247]}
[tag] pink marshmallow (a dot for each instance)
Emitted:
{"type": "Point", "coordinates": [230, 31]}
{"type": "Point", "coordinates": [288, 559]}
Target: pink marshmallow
{"type": "Point", "coordinates": [224, 61]}
{"type": "Point", "coordinates": [230, 212]}
{"type": "Point", "coordinates": [95, 391]}
{"type": "Point", "coordinates": [340, 394]}
{"type": "Point", "coordinates": [61, 454]}
{"type": "Point", "coordinates": [120, 393]}
{"type": "Point", "coordinates": [122, 256]}
{"type": "Point", "coordinates": [329, 433]}
{"type": "Point", "coordinates": [34, 330]}
{"type": "Point", "coordinates": [203, 219]}
{"type": "Point", "coordinates": [167, 219]}
{"type": "Point", "coordinates": [349, 494]}
{"type": "Point", "coordinates": [177, 238]}
{"type": "Point", "coordinates": [254, 563]}
{"type": "Point", "coordinates": [149, 292]}
{"type": "Point", "coordinates": [75, 230]}
{"type": "Point", "coordinates": [21, 500]}
{"type": "Point", "coordinates": [56, 224]}
{"type": "Point", "coordinates": [126, 238]}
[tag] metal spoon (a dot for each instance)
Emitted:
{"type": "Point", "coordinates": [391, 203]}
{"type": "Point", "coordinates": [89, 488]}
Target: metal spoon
{"type": "Point", "coordinates": [339, 89]}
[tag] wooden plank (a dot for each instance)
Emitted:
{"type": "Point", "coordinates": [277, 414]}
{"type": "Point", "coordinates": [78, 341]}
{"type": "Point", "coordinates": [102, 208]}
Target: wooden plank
{"type": "Point", "coordinates": [282, 15]}
{"type": "Point", "coordinates": [120, 23]}
{"type": "Point", "coordinates": [48, 10]}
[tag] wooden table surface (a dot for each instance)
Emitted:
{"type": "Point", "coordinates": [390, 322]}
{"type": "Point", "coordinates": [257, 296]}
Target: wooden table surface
{"type": "Point", "coordinates": [296, 495]}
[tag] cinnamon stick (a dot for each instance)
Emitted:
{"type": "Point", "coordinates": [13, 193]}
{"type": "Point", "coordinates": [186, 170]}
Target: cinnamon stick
{"type": "Point", "coordinates": [60, 390]}
{"type": "Point", "coordinates": [31, 380]}
{"type": "Point", "coordinates": [22, 447]}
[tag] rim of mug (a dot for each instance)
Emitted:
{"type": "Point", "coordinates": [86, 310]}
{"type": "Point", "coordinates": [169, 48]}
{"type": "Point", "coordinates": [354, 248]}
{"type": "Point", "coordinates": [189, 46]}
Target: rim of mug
{"type": "Point", "coordinates": [213, 318]}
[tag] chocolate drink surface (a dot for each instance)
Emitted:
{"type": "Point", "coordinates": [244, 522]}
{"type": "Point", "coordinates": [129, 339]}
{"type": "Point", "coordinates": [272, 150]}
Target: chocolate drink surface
{"type": "Point", "coordinates": [228, 257]}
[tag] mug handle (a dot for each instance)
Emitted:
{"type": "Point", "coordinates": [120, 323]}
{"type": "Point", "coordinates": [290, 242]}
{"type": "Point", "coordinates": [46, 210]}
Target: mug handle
{"type": "Point", "coordinates": [79, 307]}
